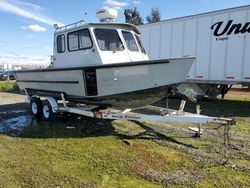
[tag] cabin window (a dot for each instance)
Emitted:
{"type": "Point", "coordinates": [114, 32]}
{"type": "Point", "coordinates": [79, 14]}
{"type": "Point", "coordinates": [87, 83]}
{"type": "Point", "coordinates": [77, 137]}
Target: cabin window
{"type": "Point", "coordinates": [108, 40]}
{"type": "Point", "coordinates": [60, 43]}
{"type": "Point", "coordinates": [130, 41]}
{"type": "Point", "coordinates": [79, 40]}
{"type": "Point", "coordinates": [140, 44]}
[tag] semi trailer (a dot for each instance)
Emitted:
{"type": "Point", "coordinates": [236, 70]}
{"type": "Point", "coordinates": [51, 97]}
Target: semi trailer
{"type": "Point", "coordinates": [220, 41]}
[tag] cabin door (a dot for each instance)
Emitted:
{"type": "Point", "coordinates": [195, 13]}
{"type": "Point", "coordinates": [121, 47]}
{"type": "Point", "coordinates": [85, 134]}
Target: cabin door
{"type": "Point", "coordinates": [90, 82]}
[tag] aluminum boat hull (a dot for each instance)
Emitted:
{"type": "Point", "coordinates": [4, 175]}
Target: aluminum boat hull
{"type": "Point", "coordinates": [120, 85]}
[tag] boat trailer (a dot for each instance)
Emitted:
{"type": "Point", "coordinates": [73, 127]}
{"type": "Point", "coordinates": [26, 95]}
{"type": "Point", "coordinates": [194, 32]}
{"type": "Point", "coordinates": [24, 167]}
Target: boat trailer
{"type": "Point", "coordinates": [50, 106]}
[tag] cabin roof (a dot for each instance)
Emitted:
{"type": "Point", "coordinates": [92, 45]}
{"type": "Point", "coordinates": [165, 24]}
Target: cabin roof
{"type": "Point", "coordinates": [82, 24]}
{"type": "Point", "coordinates": [130, 26]}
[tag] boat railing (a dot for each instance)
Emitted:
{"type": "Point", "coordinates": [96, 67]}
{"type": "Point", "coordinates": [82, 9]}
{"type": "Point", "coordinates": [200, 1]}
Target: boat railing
{"type": "Point", "coordinates": [70, 26]}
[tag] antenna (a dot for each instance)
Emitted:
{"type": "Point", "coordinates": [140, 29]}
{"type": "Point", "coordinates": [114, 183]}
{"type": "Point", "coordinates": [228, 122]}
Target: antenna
{"type": "Point", "coordinates": [85, 13]}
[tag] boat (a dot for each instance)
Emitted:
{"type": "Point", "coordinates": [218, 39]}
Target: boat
{"type": "Point", "coordinates": [104, 64]}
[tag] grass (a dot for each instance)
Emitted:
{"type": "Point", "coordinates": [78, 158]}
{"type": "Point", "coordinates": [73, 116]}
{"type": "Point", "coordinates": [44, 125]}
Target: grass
{"type": "Point", "coordinates": [8, 86]}
{"type": "Point", "coordinates": [94, 154]}
{"type": "Point", "coordinates": [224, 177]}
{"type": "Point", "coordinates": [91, 161]}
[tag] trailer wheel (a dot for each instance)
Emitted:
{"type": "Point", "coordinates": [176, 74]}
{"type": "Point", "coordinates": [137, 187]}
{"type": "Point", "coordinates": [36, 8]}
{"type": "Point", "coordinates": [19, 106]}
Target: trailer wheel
{"type": "Point", "coordinates": [47, 112]}
{"type": "Point", "coordinates": [36, 107]}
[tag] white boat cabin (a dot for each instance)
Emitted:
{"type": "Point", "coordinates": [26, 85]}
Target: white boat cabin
{"type": "Point", "coordinates": [91, 44]}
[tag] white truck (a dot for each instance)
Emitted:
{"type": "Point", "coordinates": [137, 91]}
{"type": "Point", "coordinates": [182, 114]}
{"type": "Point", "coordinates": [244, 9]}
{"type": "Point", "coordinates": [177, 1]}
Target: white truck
{"type": "Point", "coordinates": [220, 41]}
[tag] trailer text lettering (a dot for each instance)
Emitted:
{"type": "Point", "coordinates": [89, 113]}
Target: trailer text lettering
{"type": "Point", "coordinates": [230, 28]}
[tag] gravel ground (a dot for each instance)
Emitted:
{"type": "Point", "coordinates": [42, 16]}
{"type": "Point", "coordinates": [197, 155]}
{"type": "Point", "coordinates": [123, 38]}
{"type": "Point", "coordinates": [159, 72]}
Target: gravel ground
{"type": "Point", "coordinates": [180, 177]}
{"type": "Point", "coordinates": [12, 106]}
{"type": "Point", "coordinates": [238, 92]}
{"type": "Point", "coordinates": [11, 98]}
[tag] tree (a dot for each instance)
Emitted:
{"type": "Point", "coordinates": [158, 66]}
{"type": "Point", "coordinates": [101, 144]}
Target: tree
{"type": "Point", "coordinates": [133, 16]}
{"type": "Point", "coordinates": [155, 16]}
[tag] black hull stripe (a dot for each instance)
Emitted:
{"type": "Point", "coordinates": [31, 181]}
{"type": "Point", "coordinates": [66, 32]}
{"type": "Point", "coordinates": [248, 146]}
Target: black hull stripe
{"type": "Point", "coordinates": [104, 66]}
{"type": "Point", "coordinates": [50, 82]}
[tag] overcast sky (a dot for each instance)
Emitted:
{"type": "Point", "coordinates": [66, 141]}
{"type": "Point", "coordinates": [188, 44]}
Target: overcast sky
{"type": "Point", "coordinates": [26, 34]}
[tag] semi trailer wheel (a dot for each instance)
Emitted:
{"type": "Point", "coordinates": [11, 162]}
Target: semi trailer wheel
{"type": "Point", "coordinates": [36, 107]}
{"type": "Point", "coordinates": [47, 112]}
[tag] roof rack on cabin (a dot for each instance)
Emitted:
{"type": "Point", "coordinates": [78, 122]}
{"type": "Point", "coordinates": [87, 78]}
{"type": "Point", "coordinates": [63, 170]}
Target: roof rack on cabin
{"type": "Point", "coordinates": [70, 26]}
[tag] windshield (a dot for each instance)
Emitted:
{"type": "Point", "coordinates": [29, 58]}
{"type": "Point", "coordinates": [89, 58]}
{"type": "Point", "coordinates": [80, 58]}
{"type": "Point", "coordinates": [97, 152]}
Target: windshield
{"type": "Point", "coordinates": [108, 40]}
{"type": "Point", "coordinates": [130, 41]}
{"type": "Point", "coordinates": [140, 44]}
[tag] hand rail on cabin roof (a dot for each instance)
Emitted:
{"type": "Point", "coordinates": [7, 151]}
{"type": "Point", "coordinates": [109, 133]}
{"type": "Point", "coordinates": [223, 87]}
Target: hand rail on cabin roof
{"type": "Point", "coordinates": [70, 26]}
{"type": "Point", "coordinates": [82, 22]}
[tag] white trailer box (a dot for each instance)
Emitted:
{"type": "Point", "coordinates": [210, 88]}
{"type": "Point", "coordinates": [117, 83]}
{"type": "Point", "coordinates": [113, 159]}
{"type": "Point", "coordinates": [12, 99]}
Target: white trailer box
{"type": "Point", "coordinates": [220, 41]}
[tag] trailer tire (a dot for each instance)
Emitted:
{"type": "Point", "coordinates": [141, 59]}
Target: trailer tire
{"type": "Point", "coordinates": [36, 107]}
{"type": "Point", "coordinates": [47, 111]}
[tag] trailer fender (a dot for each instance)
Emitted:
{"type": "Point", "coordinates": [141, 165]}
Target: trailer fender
{"type": "Point", "coordinates": [53, 103]}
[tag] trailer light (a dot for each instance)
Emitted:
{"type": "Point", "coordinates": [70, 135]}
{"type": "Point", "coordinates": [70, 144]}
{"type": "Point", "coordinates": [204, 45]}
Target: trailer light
{"type": "Point", "coordinates": [230, 77]}
{"type": "Point", "coordinates": [199, 76]}
{"type": "Point", "coordinates": [247, 78]}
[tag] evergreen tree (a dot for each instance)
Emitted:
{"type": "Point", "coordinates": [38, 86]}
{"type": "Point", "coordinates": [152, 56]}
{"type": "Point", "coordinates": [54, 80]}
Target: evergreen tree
{"type": "Point", "coordinates": [133, 16]}
{"type": "Point", "coordinates": [155, 16]}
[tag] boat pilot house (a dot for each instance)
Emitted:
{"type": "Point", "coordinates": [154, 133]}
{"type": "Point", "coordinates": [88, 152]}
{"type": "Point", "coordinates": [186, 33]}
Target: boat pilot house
{"type": "Point", "coordinates": [104, 64]}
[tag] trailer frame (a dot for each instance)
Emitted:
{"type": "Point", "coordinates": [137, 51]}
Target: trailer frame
{"type": "Point", "coordinates": [164, 114]}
